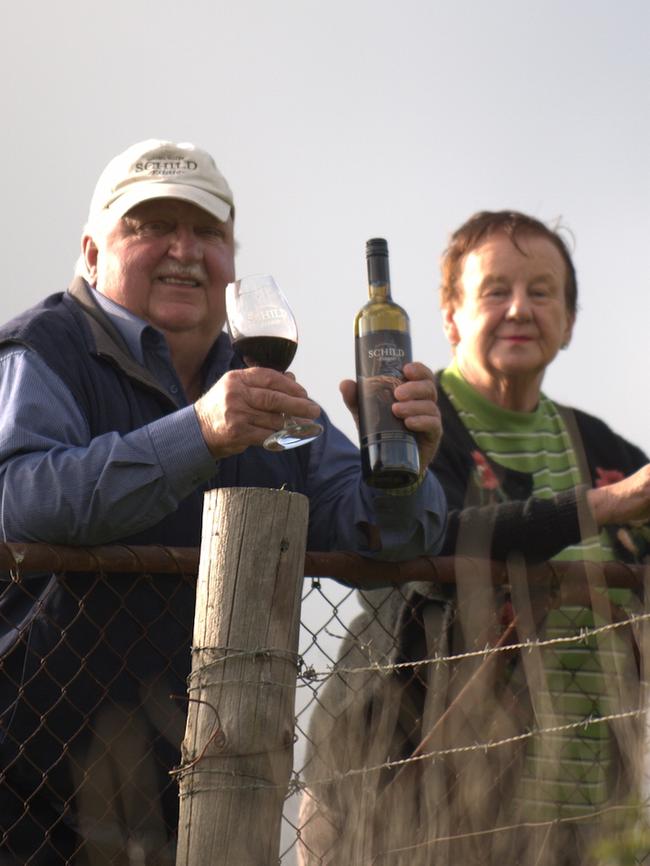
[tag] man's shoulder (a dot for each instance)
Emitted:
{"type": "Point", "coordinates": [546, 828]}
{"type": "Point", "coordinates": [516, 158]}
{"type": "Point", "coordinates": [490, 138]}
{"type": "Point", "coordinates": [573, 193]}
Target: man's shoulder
{"type": "Point", "coordinates": [55, 330]}
{"type": "Point", "coordinates": [45, 318]}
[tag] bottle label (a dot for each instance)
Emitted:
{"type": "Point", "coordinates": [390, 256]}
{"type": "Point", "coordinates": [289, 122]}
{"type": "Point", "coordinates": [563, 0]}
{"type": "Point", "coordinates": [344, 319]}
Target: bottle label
{"type": "Point", "coordinates": [380, 357]}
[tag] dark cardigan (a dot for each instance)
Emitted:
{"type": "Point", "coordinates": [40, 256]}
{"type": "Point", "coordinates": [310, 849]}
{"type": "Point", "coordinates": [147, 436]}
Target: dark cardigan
{"type": "Point", "coordinates": [536, 528]}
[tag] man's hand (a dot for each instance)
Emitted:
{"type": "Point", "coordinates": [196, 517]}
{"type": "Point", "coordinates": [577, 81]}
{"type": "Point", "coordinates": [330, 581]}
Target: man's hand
{"type": "Point", "coordinates": [416, 404]}
{"type": "Point", "coordinates": [245, 406]}
{"type": "Point", "coordinates": [625, 501]}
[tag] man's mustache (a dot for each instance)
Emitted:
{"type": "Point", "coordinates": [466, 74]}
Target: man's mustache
{"type": "Point", "coordinates": [184, 272]}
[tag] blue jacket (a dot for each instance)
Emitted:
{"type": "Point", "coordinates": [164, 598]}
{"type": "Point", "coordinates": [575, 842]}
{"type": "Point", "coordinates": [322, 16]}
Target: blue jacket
{"type": "Point", "coordinates": [71, 645]}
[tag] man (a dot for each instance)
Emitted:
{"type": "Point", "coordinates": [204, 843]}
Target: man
{"type": "Point", "coordinates": [123, 403]}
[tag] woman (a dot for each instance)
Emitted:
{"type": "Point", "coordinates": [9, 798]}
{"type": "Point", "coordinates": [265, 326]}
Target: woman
{"type": "Point", "coordinates": [530, 480]}
{"type": "Point", "coordinates": [509, 301]}
{"type": "Point", "coordinates": [527, 481]}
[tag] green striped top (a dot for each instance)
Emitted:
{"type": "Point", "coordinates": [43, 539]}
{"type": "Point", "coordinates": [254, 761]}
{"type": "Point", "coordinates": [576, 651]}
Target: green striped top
{"type": "Point", "coordinates": [536, 443]}
{"type": "Point", "coordinates": [564, 774]}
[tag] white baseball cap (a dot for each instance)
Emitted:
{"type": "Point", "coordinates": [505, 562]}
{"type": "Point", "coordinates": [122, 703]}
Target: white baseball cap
{"type": "Point", "coordinates": [161, 169]}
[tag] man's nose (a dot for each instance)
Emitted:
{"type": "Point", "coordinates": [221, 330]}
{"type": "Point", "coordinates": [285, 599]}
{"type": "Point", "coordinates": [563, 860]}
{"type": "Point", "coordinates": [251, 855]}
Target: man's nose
{"type": "Point", "coordinates": [184, 245]}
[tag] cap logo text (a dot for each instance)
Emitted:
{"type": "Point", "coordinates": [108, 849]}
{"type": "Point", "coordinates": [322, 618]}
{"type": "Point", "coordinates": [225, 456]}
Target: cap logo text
{"type": "Point", "coordinates": [166, 166]}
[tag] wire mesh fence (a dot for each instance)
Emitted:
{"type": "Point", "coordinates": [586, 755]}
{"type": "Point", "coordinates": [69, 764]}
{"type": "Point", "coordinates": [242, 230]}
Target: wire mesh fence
{"type": "Point", "coordinates": [94, 643]}
{"type": "Point", "coordinates": [471, 712]}
{"type": "Point", "coordinates": [503, 725]}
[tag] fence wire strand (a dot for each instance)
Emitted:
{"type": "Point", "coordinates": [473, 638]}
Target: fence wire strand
{"type": "Point", "coordinates": [413, 744]}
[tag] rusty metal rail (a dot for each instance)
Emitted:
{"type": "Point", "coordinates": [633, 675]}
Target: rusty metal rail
{"type": "Point", "coordinates": [20, 559]}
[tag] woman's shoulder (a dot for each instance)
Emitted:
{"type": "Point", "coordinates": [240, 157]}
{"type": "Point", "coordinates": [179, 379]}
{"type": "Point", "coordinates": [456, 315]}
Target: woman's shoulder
{"type": "Point", "coordinates": [454, 432]}
{"type": "Point", "coordinates": [602, 443]}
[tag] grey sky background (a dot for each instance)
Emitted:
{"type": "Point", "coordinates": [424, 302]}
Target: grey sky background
{"type": "Point", "coordinates": [342, 120]}
{"type": "Point", "coordinates": [335, 122]}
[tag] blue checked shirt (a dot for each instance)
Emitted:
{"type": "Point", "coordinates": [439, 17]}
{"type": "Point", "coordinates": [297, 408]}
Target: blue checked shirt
{"type": "Point", "coordinates": [59, 485]}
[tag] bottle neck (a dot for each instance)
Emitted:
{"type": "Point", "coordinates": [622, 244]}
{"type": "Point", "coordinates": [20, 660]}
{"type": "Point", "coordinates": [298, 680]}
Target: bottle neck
{"type": "Point", "coordinates": [378, 277]}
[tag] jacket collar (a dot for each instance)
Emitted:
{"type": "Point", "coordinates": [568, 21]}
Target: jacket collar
{"type": "Point", "coordinates": [108, 343]}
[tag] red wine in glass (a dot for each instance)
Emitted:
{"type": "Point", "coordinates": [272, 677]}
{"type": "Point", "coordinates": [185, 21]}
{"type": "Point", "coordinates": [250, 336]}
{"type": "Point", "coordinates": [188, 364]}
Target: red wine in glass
{"type": "Point", "coordinates": [274, 352]}
{"type": "Point", "coordinates": [264, 334]}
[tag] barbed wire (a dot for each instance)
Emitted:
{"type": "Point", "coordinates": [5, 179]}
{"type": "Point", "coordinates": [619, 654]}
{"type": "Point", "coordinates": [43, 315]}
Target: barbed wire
{"type": "Point", "coordinates": [297, 784]}
{"type": "Point", "coordinates": [474, 747]}
{"type": "Point", "coordinates": [581, 635]}
{"type": "Point", "coordinates": [493, 744]}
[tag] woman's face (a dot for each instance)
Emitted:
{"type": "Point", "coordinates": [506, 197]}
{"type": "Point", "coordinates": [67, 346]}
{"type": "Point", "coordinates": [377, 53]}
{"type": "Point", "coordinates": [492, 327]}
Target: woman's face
{"type": "Point", "coordinates": [512, 318]}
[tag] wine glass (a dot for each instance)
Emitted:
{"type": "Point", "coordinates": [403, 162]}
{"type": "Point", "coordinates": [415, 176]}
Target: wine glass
{"type": "Point", "coordinates": [264, 334]}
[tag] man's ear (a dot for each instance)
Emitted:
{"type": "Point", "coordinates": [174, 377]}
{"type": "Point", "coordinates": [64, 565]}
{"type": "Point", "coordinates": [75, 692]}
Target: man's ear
{"type": "Point", "coordinates": [89, 252]}
{"type": "Point", "coordinates": [449, 326]}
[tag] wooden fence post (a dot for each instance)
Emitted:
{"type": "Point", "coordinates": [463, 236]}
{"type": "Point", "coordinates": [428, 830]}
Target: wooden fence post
{"type": "Point", "coordinates": [237, 755]}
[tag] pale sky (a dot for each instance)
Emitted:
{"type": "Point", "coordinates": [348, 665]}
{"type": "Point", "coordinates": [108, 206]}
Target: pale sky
{"type": "Point", "coordinates": [342, 120]}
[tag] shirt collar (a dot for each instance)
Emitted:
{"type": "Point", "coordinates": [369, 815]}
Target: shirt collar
{"type": "Point", "coordinates": [132, 329]}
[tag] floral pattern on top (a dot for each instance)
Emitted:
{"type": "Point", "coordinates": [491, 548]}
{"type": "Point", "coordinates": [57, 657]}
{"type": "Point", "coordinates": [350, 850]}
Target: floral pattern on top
{"type": "Point", "coordinates": [486, 480]}
{"type": "Point", "coordinates": [605, 477]}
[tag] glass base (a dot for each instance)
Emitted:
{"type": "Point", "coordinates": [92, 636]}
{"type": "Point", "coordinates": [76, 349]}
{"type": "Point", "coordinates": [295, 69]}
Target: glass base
{"type": "Point", "coordinates": [293, 434]}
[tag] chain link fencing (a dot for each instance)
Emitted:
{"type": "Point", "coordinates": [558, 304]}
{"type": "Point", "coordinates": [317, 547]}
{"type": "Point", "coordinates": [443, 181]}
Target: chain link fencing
{"type": "Point", "coordinates": [475, 714]}
{"type": "Point", "coordinates": [499, 723]}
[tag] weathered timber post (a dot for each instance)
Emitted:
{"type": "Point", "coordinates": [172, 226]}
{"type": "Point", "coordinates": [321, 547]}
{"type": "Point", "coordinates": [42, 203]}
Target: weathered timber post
{"type": "Point", "coordinates": [237, 754]}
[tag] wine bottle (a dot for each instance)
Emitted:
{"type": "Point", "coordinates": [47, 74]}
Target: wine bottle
{"type": "Point", "coordinates": [389, 452]}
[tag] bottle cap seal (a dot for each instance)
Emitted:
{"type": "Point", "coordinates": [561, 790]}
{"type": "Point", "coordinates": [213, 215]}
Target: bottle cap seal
{"type": "Point", "coordinates": [376, 247]}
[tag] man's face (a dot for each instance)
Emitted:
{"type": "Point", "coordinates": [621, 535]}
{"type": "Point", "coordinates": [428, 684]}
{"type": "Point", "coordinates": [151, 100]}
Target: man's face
{"type": "Point", "coordinates": [512, 318]}
{"type": "Point", "coordinates": [167, 261]}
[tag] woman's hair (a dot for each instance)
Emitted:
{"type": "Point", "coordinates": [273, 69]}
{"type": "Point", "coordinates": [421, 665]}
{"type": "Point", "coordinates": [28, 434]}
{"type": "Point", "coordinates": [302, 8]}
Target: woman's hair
{"type": "Point", "coordinates": [477, 229]}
